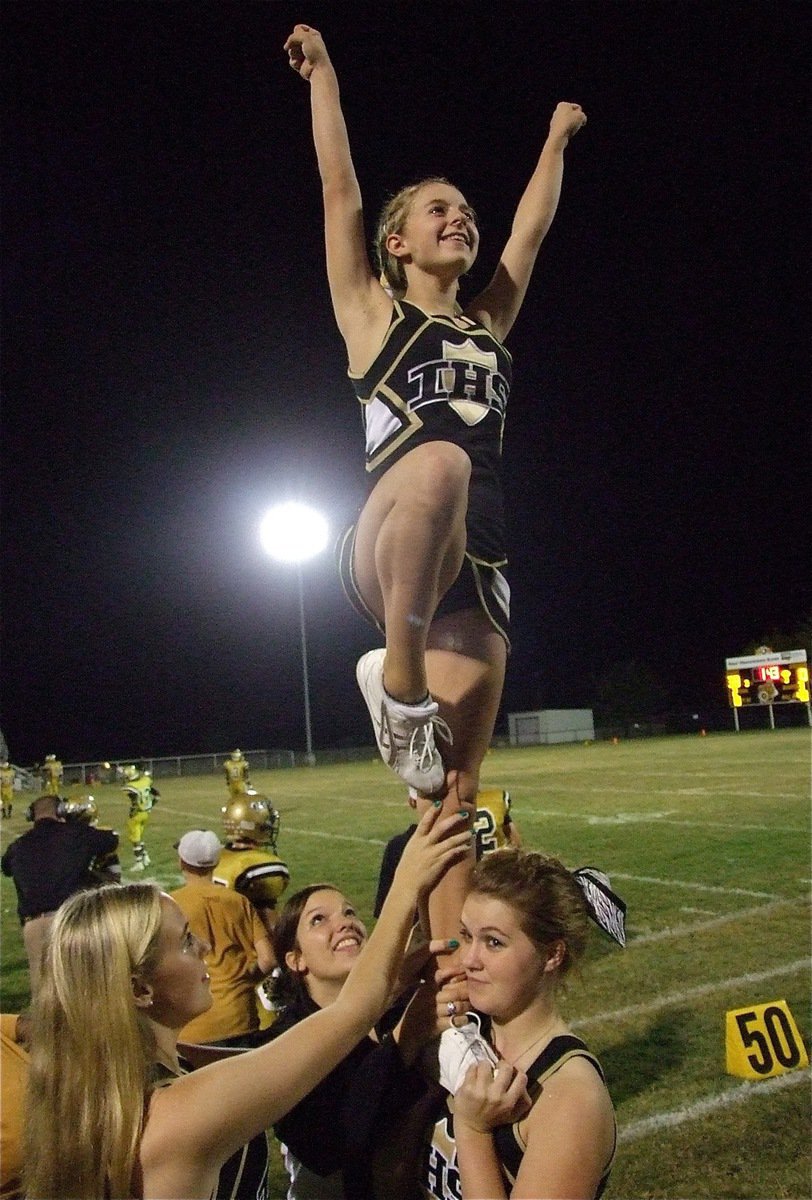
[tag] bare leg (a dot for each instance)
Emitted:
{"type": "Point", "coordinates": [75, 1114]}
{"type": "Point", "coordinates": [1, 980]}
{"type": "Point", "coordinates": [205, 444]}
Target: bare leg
{"type": "Point", "coordinates": [409, 548]}
{"type": "Point", "coordinates": [465, 663]}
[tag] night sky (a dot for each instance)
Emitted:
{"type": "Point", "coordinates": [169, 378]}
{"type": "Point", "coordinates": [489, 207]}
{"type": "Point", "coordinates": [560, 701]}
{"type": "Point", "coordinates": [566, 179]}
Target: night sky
{"type": "Point", "coordinates": [170, 363]}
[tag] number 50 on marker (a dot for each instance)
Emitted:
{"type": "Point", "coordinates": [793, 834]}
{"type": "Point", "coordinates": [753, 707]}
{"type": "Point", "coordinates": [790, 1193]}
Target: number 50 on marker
{"type": "Point", "coordinates": [763, 1040]}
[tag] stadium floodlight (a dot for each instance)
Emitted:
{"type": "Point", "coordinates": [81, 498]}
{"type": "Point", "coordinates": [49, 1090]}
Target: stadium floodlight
{"type": "Point", "coordinates": [294, 533]}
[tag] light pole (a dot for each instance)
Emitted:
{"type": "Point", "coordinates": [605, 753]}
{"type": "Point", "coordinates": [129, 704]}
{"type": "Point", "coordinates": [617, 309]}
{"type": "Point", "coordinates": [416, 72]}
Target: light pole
{"type": "Point", "coordinates": [294, 533]}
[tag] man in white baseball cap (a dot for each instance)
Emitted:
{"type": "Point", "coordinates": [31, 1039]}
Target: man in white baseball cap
{"type": "Point", "coordinates": [240, 951]}
{"type": "Point", "coordinates": [199, 848]}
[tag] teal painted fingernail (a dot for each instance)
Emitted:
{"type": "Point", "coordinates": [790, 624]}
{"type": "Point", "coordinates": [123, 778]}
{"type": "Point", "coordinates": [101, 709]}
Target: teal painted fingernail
{"type": "Point", "coordinates": [453, 944]}
{"type": "Point", "coordinates": [463, 814]}
{"type": "Point", "coordinates": [437, 803]}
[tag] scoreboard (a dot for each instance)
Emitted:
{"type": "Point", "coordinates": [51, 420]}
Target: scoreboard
{"type": "Point", "coordinates": [780, 677]}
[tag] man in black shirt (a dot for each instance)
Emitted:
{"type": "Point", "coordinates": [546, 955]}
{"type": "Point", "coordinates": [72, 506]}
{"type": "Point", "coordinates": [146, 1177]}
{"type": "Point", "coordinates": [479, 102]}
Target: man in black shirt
{"type": "Point", "coordinates": [49, 863]}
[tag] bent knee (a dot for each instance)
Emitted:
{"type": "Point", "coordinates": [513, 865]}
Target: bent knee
{"type": "Point", "coordinates": [443, 459]}
{"type": "Point", "coordinates": [439, 474]}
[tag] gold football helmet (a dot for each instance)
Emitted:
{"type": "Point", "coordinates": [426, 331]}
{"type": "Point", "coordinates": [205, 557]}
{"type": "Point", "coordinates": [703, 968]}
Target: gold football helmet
{"type": "Point", "coordinates": [251, 818]}
{"type": "Point", "coordinates": [81, 807]}
{"type": "Point", "coordinates": [131, 773]}
{"type": "Point", "coordinates": [236, 755]}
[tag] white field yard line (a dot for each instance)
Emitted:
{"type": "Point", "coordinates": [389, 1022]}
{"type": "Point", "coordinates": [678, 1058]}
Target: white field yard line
{"type": "Point", "coordinates": [742, 914]}
{"type": "Point", "coordinates": [741, 1094]}
{"type": "Point", "coordinates": [351, 799]}
{"type": "Point", "coordinates": [719, 789]}
{"type": "Point", "coordinates": [316, 833]}
{"type": "Point", "coordinates": [336, 837]}
{"type": "Point", "coordinates": [687, 995]}
{"type": "Point", "coordinates": [530, 812]}
{"type": "Point", "coordinates": [687, 782]}
{"type": "Point", "coordinates": [694, 791]}
{"type": "Point", "coordinates": [653, 818]}
{"type": "Point", "coordinates": [197, 814]}
{"type": "Point", "coordinates": [749, 828]}
{"type": "Point", "coordinates": [677, 769]}
{"type": "Point", "coordinates": [697, 887]}
{"type": "Point", "coordinates": [676, 883]}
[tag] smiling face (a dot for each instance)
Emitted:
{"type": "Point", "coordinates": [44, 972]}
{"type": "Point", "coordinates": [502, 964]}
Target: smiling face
{"type": "Point", "coordinates": [439, 231]}
{"type": "Point", "coordinates": [505, 970]}
{"type": "Point", "coordinates": [179, 983]}
{"type": "Point", "coordinates": [329, 939]}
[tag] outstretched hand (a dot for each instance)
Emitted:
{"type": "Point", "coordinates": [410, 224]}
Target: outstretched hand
{"type": "Point", "coordinates": [433, 847]}
{"type": "Point", "coordinates": [305, 48]}
{"type": "Point", "coordinates": [567, 120]}
{"type": "Point", "coordinates": [418, 952]}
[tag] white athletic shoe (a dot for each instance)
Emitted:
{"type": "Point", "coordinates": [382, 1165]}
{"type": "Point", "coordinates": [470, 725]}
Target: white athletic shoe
{"type": "Point", "coordinates": [459, 1050]}
{"type": "Point", "coordinates": [404, 732]}
{"type": "Point", "coordinates": [137, 867]}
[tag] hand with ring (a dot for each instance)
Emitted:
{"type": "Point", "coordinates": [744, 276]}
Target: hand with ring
{"type": "Point", "coordinates": [452, 998]}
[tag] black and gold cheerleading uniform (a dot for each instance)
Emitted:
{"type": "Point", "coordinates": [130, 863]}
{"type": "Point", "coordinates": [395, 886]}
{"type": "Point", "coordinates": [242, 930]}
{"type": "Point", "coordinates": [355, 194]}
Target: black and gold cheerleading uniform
{"type": "Point", "coordinates": [440, 1173]}
{"type": "Point", "coordinates": [444, 379]}
{"type": "Point", "coordinates": [439, 378]}
{"type": "Point", "coordinates": [334, 1131]}
{"type": "Point", "coordinates": [244, 1176]}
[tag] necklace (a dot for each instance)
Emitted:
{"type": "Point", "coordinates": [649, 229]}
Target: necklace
{"type": "Point", "coordinates": [535, 1042]}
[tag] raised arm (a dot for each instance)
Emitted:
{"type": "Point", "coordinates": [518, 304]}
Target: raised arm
{"type": "Point", "coordinates": [200, 1120]}
{"type": "Point", "coordinates": [362, 307]}
{"type": "Point", "coordinates": [498, 305]}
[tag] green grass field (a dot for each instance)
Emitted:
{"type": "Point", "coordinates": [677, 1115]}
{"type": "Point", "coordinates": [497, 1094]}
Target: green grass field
{"type": "Point", "coordinates": [708, 841]}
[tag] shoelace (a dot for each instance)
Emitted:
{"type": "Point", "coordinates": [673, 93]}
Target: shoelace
{"type": "Point", "coordinates": [468, 1033]}
{"type": "Point", "coordinates": [459, 1048]}
{"type": "Point", "coordinates": [422, 753]}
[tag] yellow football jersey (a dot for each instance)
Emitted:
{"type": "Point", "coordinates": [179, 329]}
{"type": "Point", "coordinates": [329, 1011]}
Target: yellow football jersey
{"type": "Point", "coordinates": [236, 773]}
{"type": "Point", "coordinates": [7, 782]}
{"type": "Point", "coordinates": [51, 777]}
{"type": "Point", "coordinates": [257, 874]}
{"type": "Point", "coordinates": [140, 794]}
{"type": "Point", "coordinates": [492, 820]}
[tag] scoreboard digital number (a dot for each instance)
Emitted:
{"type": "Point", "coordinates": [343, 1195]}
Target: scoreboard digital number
{"type": "Point", "coordinates": [774, 678]}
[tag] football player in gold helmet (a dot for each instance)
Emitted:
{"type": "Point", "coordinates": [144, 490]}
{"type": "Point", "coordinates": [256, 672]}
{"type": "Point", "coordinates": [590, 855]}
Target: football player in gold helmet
{"type": "Point", "coordinates": [51, 775]}
{"type": "Point", "coordinates": [7, 774]}
{"type": "Point", "coordinates": [142, 796]}
{"type": "Point", "coordinates": [235, 767]}
{"type": "Point", "coordinates": [249, 864]}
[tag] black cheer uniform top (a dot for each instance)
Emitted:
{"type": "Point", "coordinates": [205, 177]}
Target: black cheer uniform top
{"type": "Point", "coordinates": [244, 1176]}
{"type": "Point", "coordinates": [439, 378]}
{"type": "Point", "coordinates": [440, 1173]}
{"type": "Point", "coordinates": [337, 1125]}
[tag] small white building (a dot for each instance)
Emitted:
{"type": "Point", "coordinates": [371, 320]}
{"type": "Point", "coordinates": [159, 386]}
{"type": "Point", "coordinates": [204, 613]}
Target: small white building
{"type": "Point", "coordinates": [550, 725]}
